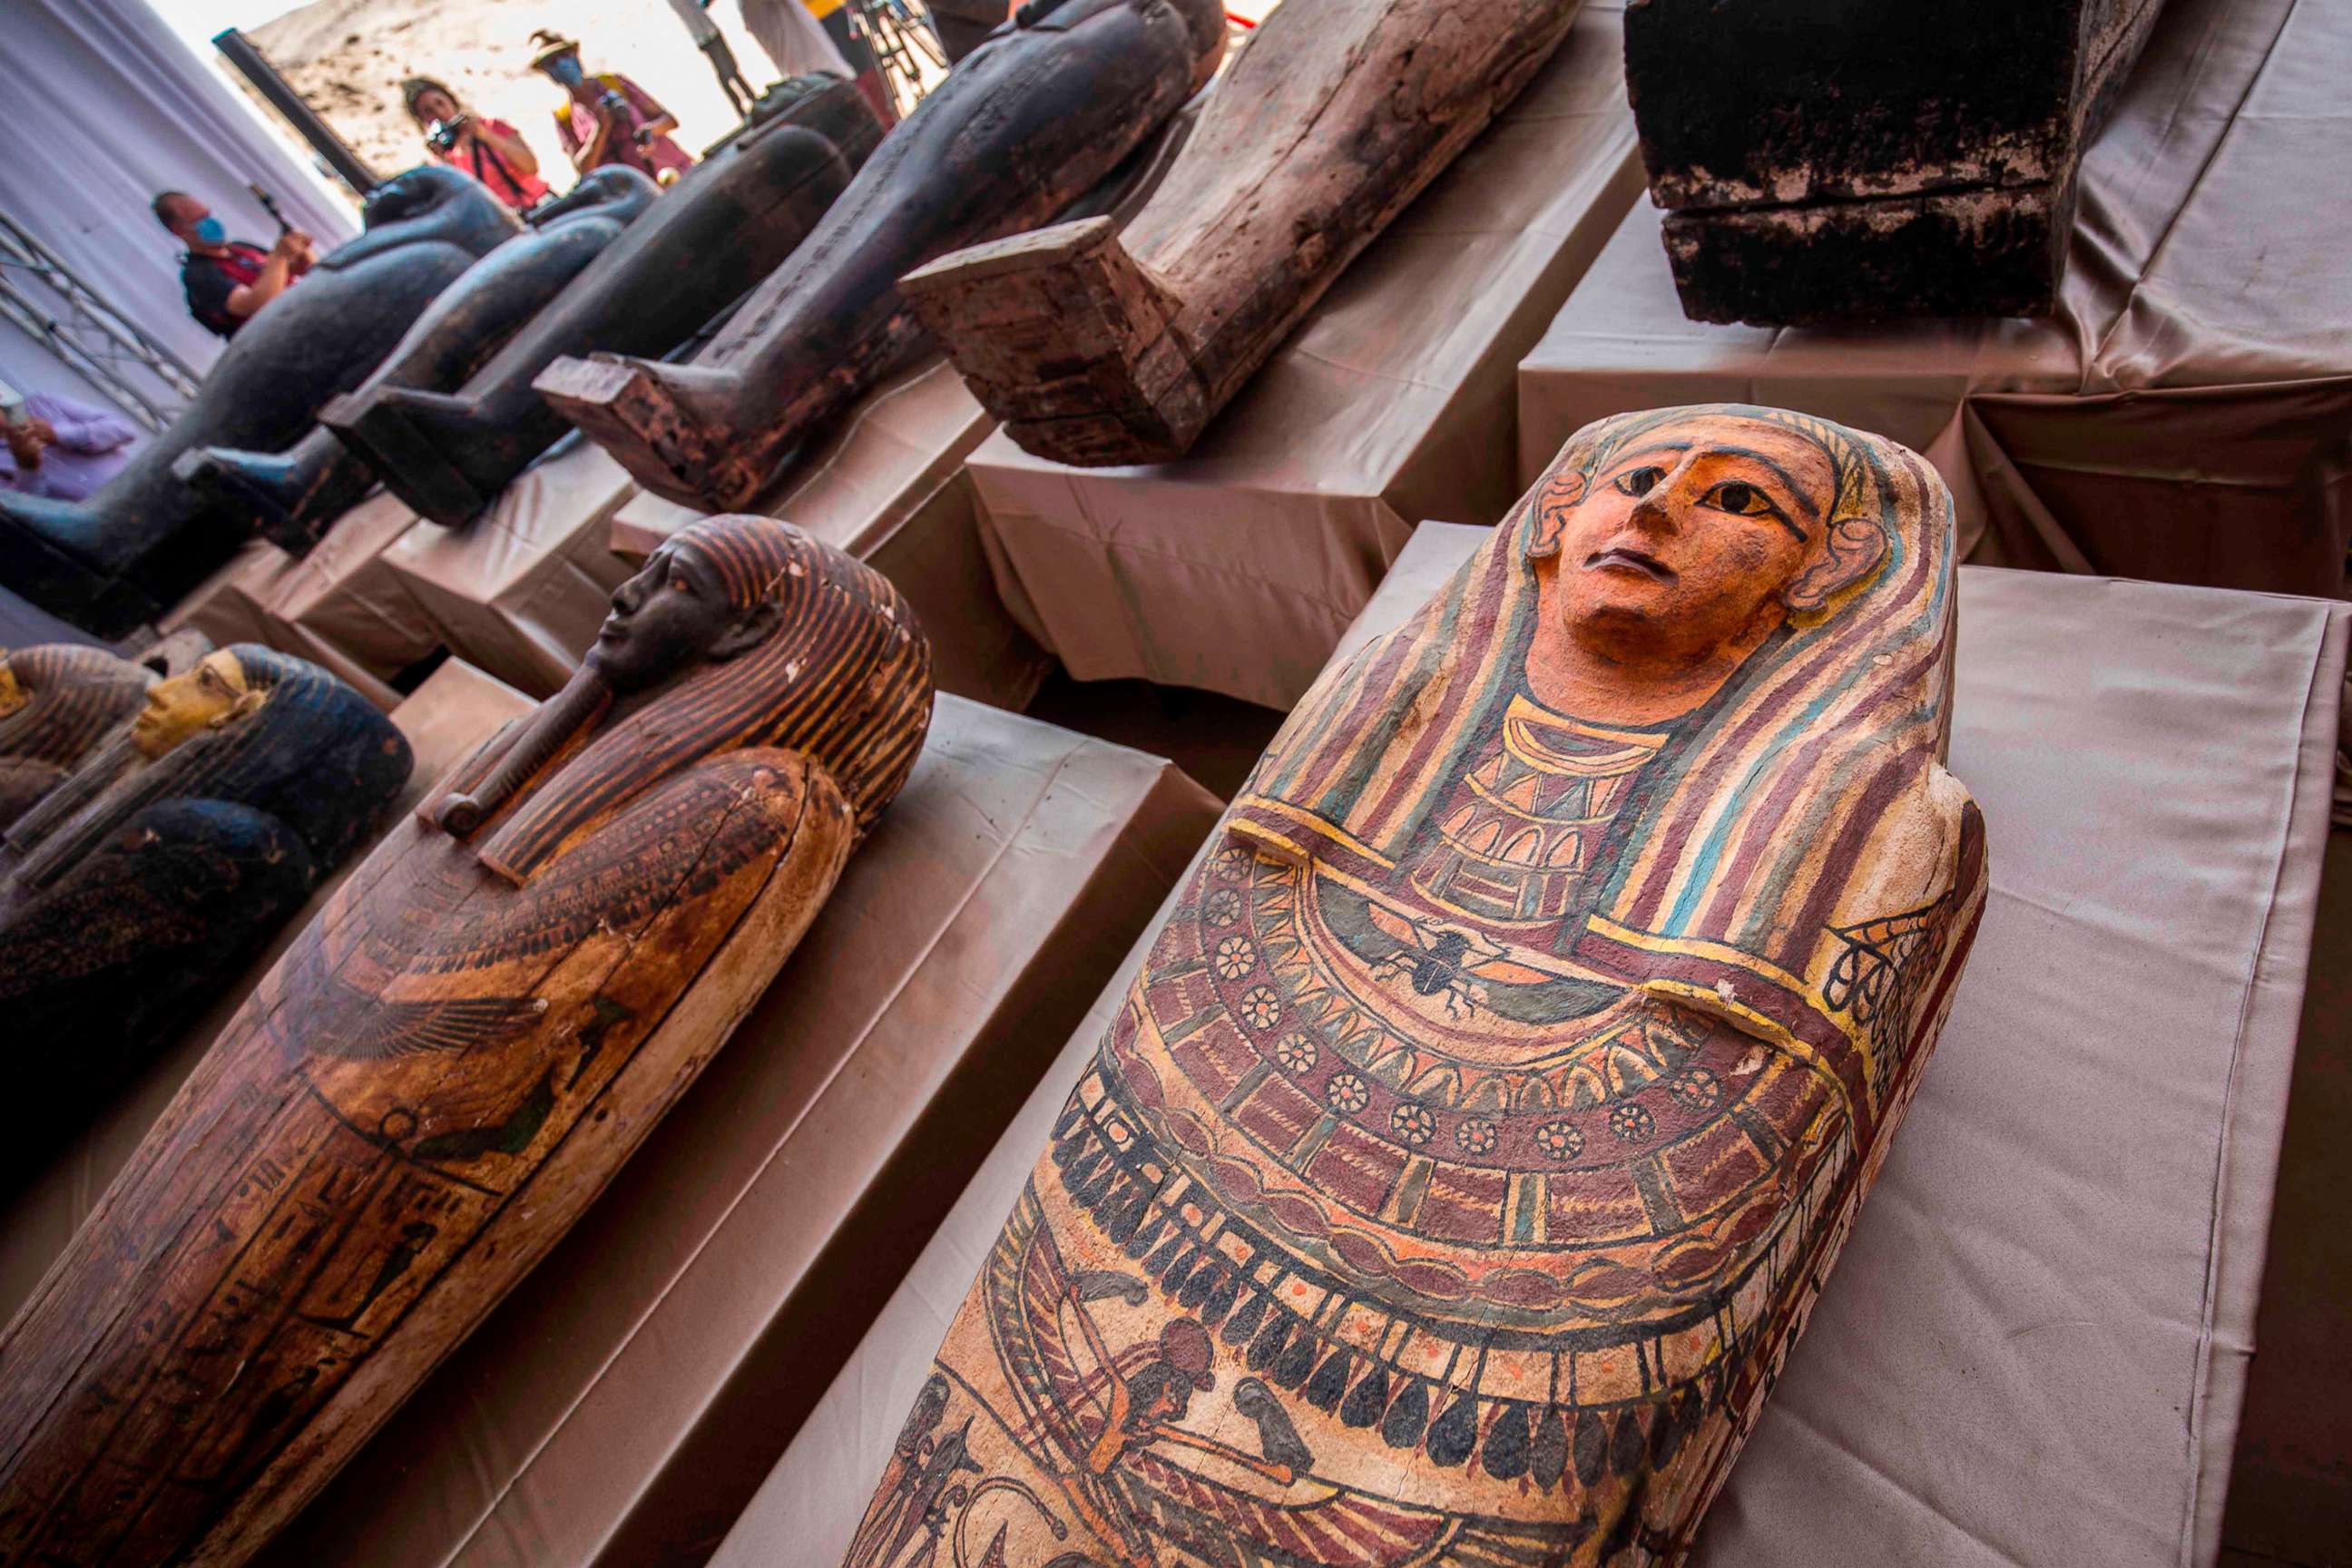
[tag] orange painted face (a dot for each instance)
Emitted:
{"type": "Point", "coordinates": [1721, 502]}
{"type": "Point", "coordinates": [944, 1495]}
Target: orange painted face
{"type": "Point", "coordinates": [1690, 540]}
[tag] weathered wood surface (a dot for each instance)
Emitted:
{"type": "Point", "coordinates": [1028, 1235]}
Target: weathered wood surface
{"type": "Point", "coordinates": [130, 550]}
{"type": "Point", "coordinates": [58, 702]}
{"type": "Point", "coordinates": [455, 1056]}
{"type": "Point", "coordinates": [185, 834]}
{"type": "Point", "coordinates": [1096, 348]}
{"type": "Point", "coordinates": [734, 219]}
{"type": "Point", "coordinates": [1029, 122]}
{"type": "Point", "coordinates": [1492, 1105]}
{"type": "Point", "coordinates": [1856, 162]}
{"type": "Point", "coordinates": [292, 498]}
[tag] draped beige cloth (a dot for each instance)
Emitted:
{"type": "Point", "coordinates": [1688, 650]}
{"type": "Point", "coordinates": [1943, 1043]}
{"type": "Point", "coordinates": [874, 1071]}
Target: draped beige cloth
{"type": "Point", "coordinates": [2034, 1349]}
{"type": "Point", "coordinates": [2183, 417]}
{"type": "Point", "coordinates": [521, 591]}
{"type": "Point", "coordinates": [341, 606]}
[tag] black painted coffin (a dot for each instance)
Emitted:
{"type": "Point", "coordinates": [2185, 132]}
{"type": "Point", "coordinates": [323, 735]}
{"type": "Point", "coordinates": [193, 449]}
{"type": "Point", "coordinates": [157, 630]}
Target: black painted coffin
{"type": "Point", "coordinates": [293, 497]}
{"type": "Point", "coordinates": [1850, 160]}
{"type": "Point", "coordinates": [128, 552]}
{"type": "Point", "coordinates": [733, 219]}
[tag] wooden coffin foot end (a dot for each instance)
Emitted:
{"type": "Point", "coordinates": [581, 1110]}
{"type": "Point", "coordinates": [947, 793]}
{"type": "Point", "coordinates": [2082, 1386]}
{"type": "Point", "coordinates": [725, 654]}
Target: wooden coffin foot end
{"type": "Point", "coordinates": [396, 427]}
{"type": "Point", "coordinates": [1070, 341]}
{"type": "Point", "coordinates": [633, 411]}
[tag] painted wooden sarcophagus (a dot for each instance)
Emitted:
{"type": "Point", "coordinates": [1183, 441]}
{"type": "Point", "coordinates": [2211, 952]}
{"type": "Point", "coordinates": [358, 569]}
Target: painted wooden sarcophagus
{"type": "Point", "coordinates": [1488, 1113]}
{"type": "Point", "coordinates": [457, 1053]}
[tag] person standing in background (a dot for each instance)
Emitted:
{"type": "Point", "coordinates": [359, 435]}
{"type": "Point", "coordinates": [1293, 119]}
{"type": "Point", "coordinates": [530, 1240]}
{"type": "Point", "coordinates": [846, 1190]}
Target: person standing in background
{"type": "Point", "coordinates": [610, 120]}
{"type": "Point", "coordinates": [962, 24]}
{"type": "Point", "coordinates": [227, 280]}
{"type": "Point", "coordinates": [864, 70]}
{"type": "Point", "coordinates": [492, 150]}
{"type": "Point", "coordinates": [59, 449]}
{"type": "Point", "coordinates": [791, 36]}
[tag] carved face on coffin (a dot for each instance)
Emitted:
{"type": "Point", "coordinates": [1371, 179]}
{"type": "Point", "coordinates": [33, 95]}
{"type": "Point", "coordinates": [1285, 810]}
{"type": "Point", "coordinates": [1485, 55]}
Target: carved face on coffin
{"type": "Point", "coordinates": [674, 615]}
{"type": "Point", "coordinates": [215, 692]}
{"type": "Point", "coordinates": [1663, 568]}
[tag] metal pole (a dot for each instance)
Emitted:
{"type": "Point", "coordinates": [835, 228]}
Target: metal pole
{"type": "Point", "coordinates": [87, 332]}
{"type": "Point", "coordinates": [713, 44]}
{"type": "Point", "coordinates": [255, 67]}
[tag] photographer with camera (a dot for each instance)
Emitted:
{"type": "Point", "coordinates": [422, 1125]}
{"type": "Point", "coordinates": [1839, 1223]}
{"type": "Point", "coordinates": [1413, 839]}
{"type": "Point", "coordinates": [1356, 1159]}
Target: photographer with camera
{"type": "Point", "coordinates": [610, 119]}
{"type": "Point", "coordinates": [490, 149]}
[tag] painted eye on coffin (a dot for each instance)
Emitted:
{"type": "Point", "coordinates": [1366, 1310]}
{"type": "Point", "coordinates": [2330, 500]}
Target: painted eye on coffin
{"type": "Point", "coordinates": [1744, 500]}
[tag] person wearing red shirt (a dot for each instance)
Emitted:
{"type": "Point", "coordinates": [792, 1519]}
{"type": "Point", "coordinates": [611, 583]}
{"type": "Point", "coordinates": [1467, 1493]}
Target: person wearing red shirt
{"type": "Point", "coordinates": [490, 149]}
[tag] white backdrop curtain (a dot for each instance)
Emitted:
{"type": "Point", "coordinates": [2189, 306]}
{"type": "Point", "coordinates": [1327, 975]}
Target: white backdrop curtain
{"type": "Point", "coordinates": [104, 105]}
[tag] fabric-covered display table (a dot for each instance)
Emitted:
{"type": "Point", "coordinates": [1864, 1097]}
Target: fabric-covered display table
{"type": "Point", "coordinates": [890, 487]}
{"type": "Point", "coordinates": [2034, 1349]}
{"type": "Point", "coordinates": [521, 590]}
{"type": "Point", "coordinates": [454, 709]}
{"type": "Point", "coordinates": [341, 606]}
{"type": "Point", "coordinates": [2184, 415]}
{"type": "Point", "coordinates": [1235, 569]}
{"type": "Point", "coordinates": [624, 1403]}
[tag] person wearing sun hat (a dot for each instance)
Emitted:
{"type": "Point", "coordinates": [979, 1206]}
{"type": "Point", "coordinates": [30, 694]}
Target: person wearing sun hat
{"type": "Point", "coordinates": [609, 119]}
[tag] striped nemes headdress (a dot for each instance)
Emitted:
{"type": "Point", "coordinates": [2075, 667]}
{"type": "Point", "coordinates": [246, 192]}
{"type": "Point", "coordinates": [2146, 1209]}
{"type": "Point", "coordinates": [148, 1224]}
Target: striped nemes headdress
{"type": "Point", "coordinates": [845, 679]}
{"type": "Point", "coordinates": [1762, 827]}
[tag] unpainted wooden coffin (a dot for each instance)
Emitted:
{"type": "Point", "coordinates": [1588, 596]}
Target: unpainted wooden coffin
{"type": "Point", "coordinates": [1100, 348]}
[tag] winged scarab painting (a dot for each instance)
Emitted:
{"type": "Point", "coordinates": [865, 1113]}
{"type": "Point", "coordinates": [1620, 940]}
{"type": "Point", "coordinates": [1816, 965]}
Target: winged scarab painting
{"type": "Point", "coordinates": [1469, 1150]}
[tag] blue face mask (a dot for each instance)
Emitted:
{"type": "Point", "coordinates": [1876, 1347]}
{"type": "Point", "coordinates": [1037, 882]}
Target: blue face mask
{"type": "Point", "coordinates": [566, 69]}
{"type": "Point", "coordinates": [210, 232]}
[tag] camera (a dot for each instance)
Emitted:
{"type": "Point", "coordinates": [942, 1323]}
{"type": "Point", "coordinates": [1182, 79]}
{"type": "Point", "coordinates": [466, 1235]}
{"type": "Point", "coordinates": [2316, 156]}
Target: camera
{"type": "Point", "coordinates": [443, 134]}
